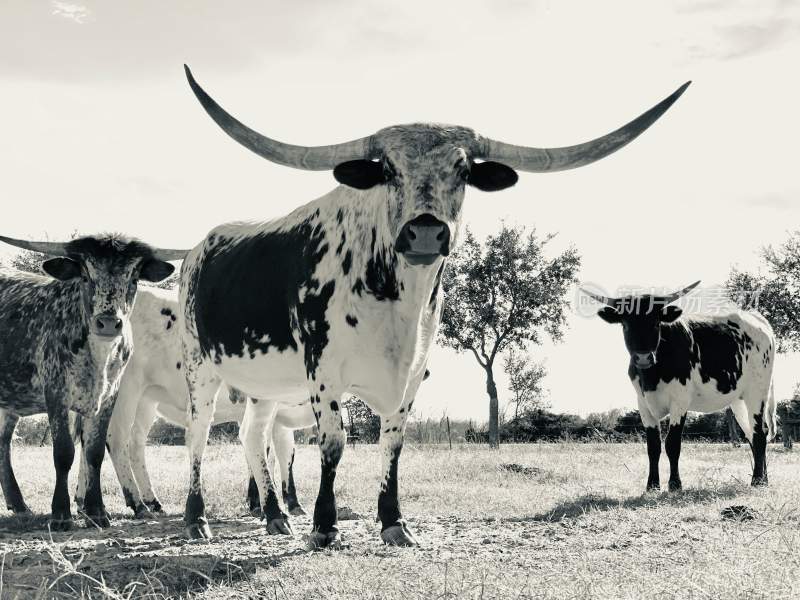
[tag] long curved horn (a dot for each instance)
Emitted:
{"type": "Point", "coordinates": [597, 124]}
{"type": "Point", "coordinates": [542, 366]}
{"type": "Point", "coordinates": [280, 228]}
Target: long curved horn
{"type": "Point", "coordinates": [164, 254]}
{"type": "Point", "coordinates": [310, 158]}
{"type": "Point", "coordinates": [612, 302]}
{"type": "Point", "coordinates": [539, 160]}
{"type": "Point", "coordinates": [675, 295]}
{"type": "Point", "coordinates": [53, 248]}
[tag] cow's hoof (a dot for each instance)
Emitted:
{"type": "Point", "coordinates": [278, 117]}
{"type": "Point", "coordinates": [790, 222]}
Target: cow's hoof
{"type": "Point", "coordinates": [256, 512]}
{"type": "Point", "coordinates": [20, 511]}
{"type": "Point", "coordinates": [199, 530]}
{"type": "Point", "coordinates": [154, 506]}
{"type": "Point", "coordinates": [760, 481]}
{"type": "Point", "coordinates": [318, 541]}
{"type": "Point", "coordinates": [79, 502]}
{"type": "Point", "coordinates": [399, 535]}
{"type": "Point", "coordinates": [61, 524]}
{"type": "Point", "coordinates": [141, 511]}
{"type": "Point", "coordinates": [675, 485]}
{"type": "Point", "coordinates": [279, 526]}
{"type": "Point", "coordinates": [653, 487]}
{"type": "Point", "coordinates": [297, 511]}
{"type": "Point", "coordinates": [99, 519]}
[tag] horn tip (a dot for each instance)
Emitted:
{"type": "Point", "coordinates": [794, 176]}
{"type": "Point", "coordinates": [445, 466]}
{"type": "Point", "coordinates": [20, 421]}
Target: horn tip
{"type": "Point", "coordinates": [679, 92]}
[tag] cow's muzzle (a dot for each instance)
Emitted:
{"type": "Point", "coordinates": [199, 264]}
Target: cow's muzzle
{"type": "Point", "coordinates": [106, 326]}
{"type": "Point", "coordinates": [643, 360]}
{"type": "Point", "coordinates": [423, 239]}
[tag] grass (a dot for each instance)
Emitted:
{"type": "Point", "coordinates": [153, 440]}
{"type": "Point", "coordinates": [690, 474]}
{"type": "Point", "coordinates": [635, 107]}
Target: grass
{"type": "Point", "coordinates": [571, 522]}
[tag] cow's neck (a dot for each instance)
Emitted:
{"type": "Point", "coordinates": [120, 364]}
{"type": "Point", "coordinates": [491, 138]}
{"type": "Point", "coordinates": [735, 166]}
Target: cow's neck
{"type": "Point", "coordinates": [375, 275]}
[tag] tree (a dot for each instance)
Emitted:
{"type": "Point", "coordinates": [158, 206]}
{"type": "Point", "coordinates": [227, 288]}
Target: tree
{"type": "Point", "coordinates": [525, 378]}
{"type": "Point", "coordinates": [774, 290]}
{"type": "Point", "coordinates": [29, 261]}
{"type": "Point", "coordinates": [362, 421]}
{"type": "Point", "coordinates": [504, 294]}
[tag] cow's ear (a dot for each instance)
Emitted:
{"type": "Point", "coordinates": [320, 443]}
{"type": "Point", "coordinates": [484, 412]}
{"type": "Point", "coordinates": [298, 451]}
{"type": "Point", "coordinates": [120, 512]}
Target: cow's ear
{"type": "Point", "coordinates": [492, 176]}
{"type": "Point", "coordinates": [609, 315]}
{"type": "Point", "coordinates": [62, 268]}
{"type": "Point", "coordinates": [359, 174]}
{"type": "Point", "coordinates": [670, 313]}
{"type": "Point", "coordinates": [156, 270]}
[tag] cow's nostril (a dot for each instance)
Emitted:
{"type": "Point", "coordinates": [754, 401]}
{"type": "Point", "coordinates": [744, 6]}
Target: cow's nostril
{"type": "Point", "coordinates": [99, 323]}
{"type": "Point", "coordinates": [440, 237]}
{"type": "Point", "coordinates": [411, 234]}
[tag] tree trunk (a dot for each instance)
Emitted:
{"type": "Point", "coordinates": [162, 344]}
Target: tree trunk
{"type": "Point", "coordinates": [733, 433]}
{"type": "Point", "coordinates": [494, 412]}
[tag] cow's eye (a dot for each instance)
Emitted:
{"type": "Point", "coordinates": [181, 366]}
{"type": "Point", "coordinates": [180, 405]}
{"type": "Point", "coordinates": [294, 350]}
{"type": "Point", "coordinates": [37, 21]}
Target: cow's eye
{"type": "Point", "coordinates": [388, 171]}
{"type": "Point", "coordinates": [85, 279]}
{"type": "Point", "coordinates": [463, 173]}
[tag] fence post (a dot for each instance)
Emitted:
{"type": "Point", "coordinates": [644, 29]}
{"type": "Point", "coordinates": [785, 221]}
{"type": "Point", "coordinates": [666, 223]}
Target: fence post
{"type": "Point", "coordinates": [449, 441]}
{"type": "Point", "coordinates": [786, 429]}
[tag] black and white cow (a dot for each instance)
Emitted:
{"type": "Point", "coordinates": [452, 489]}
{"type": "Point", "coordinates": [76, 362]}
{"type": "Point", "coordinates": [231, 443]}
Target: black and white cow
{"type": "Point", "coordinates": [64, 343]}
{"type": "Point", "coordinates": [698, 363]}
{"type": "Point", "coordinates": [342, 295]}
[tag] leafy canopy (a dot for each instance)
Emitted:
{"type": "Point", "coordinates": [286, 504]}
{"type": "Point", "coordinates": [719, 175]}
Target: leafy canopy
{"type": "Point", "coordinates": [505, 293]}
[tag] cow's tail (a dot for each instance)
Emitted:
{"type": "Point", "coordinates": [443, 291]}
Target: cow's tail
{"type": "Point", "coordinates": [771, 413]}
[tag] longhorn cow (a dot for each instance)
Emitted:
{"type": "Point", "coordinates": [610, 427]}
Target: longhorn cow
{"type": "Point", "coordinates": [64, 343]}
{"type": "Point", "coordinates": [341, 295]}
{"type": "Point", "coordinates": [699, 363]}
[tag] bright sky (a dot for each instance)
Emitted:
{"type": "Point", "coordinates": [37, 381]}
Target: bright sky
{"type": "Point", "coordinates": [101, 132]}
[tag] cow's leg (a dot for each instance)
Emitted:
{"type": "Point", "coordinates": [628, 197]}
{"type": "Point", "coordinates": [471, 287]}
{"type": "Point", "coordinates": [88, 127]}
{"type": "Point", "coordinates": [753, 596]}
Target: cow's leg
{"type": "Point", "coordinates": [145, 415]}
{"type": "Point", "coordinates": [118, 441]}
{"type": "Point", "coordinates": [283, 440]}
{"type": "Point", "coordinates": [672, 445]}
{"type": "Point", "coordinates": [755, 431]}
{"type": "Point", "coordinates": [203, 388]}
{"type": "Point", "coordinates": [653, 433]}
{"type": "Point", "coordinates": [253, 497]}
{"type": "Point", "coordinates": [759, 447]}
{"type": "Point", "coordinates": [394, 530]}
{"type": "Point", "coordinates": [332, 438]}
{"type": "Point", "coordinates": [93, 440]}
{"type": "Point", "coordinates": [259, 416]}
{"type": "Point", "coordinates": [63, 455]}
{"type": "Point", "coordinates": [83, 475]}
{"type": "Point", "coordinates": [11, 491]}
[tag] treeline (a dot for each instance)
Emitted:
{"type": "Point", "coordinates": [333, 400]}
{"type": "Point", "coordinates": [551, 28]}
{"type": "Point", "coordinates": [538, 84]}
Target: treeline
{"type": "Point", "coordinates": [538, 425]}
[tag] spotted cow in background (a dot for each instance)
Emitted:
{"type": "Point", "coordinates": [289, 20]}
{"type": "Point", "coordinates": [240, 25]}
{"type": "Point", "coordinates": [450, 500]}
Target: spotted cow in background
{"type": "Point", "coordinates": [64, 343]}
{"type": "Point", "coordinates": [154, 385]}
{"type": "Point", "coordinates": [698, 363]}
{"type": "Point", "coordinates": [342, 295]}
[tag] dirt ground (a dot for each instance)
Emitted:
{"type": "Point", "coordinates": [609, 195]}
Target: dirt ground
{"type": "Point", "coordinates": [564, 520]}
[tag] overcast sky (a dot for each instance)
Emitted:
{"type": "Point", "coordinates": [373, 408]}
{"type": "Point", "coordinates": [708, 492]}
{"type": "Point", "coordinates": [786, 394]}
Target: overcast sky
{"type": "Point", "coordinates": [101, 132]}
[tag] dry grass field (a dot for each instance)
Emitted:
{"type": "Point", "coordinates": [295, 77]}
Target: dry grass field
{"type": "Point", "coordinates": [573, 524]}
